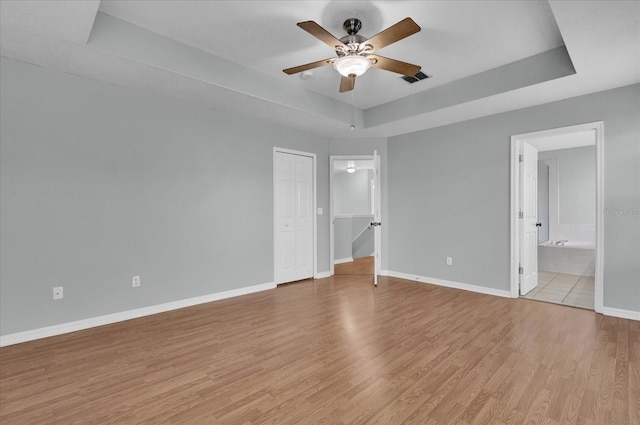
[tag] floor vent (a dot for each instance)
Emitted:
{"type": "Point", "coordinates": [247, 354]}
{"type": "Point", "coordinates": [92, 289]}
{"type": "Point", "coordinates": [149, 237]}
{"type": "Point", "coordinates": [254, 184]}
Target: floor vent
{"type": "Point", "coordinates": [415, 78]}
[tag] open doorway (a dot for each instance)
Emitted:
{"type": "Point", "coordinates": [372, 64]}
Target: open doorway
{"type": "Point", "coordinates": [556, 248]}
{"type": "Point", "coordinates": [352, 192]}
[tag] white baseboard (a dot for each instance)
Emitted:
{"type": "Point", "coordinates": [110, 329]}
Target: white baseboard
{"type": "Point", "coordinates": [343, 260]}
{"type": "Point", "coordinates": [623, 314]}
{"type": "Point", "coordinates": [93, 322]}
{"type": "Point", "coordinates": [63, 328]}
{"type": "Point", "coordinates": [607, 311]}
{"type": "Point", "coordinates": [449, 284]}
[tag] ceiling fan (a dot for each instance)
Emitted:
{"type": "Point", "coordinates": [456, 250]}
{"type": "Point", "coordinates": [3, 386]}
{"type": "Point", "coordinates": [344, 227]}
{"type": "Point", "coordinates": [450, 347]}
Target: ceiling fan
{"type": "Point", "coordinates": [356, 53]}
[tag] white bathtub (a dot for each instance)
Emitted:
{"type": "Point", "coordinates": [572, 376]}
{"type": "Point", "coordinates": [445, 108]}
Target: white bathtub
{"type": "Point", "coordinates": [573, 258]}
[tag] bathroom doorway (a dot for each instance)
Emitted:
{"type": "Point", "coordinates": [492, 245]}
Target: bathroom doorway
{"type": "Point", "coordinates": [567, 216]}
{"type": "Point", "coordinates": [563, 264]}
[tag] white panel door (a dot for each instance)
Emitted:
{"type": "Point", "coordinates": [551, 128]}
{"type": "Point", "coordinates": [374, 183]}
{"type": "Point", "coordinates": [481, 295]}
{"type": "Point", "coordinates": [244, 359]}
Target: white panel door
{"type": "Point", "coordinates": [293, 217]}
{"type": "Point", "coordinates": [376, 217]}
{"type": "Point", "coordinates": [285, 218]}
{"type": "Point", "coordinates": [304, 217]}
{"type": "Point", "coordinates": [529, 208]}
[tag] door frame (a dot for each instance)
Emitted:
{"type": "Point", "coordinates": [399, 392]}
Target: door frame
{"type": "Point", "coordinates": [516, 147]}
{"type": "Point", "coordinates": [332, 159]}
{"type": "Point", "coordinates": [314, 207]}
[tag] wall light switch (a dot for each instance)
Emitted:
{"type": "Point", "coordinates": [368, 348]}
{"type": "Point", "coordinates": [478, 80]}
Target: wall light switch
{"type": "Point", "coordinates": [320, 211]}
{"type": "Point", "coordinates": [58, 293]}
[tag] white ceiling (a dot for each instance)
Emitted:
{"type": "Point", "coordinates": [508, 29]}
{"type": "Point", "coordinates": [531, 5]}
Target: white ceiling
{"type": "Point", "coordinates": [467, 40]}
{"type": "Point", "coordinates": [230, 55]}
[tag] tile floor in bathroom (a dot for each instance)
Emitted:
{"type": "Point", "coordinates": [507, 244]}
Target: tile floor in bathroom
{"type": "Point", "coordinates": [566, 289]}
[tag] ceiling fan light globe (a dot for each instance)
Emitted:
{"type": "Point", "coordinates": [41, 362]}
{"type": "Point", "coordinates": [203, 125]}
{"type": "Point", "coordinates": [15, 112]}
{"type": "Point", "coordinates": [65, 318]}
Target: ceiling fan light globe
{"type": "Point", "coordinates": [352, 65]}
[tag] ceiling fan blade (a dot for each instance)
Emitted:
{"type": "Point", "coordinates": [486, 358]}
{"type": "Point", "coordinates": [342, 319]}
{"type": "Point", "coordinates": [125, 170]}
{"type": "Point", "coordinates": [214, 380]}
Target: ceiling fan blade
{"type": "Point", "coordinates": [393, 65]}
{"type": "Point", "coordinates": [347, 84]}
{"type": "Point", "coordinates": [320, 33]}
{"type": "Point", "coordinates": [394, 33]}
{"type": "Point", "coordinates": [307, 66]}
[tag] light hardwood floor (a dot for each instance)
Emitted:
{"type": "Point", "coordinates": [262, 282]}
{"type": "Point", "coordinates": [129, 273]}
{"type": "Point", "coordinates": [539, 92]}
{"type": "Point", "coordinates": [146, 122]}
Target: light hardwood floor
{"type": "Point", "coordinates": [335, 351]}
{"type": "Point", "coordinates": [362, 265]}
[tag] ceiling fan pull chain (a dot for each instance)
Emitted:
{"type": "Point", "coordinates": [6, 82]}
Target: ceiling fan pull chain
{"type": "Point", "coordinates": [352, 126]}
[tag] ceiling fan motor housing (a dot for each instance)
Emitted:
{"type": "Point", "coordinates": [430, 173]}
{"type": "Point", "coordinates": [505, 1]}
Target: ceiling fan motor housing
{"type": "Point", "coordinates": [352, 26]}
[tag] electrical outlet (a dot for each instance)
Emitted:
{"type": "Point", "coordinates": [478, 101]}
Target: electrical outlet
{"type": "Point", "coordinates": [135, 281]}
{"type": "Point", "coordinates": [449, 261]}
{"type": "Point", "coordinates": [58, 294]}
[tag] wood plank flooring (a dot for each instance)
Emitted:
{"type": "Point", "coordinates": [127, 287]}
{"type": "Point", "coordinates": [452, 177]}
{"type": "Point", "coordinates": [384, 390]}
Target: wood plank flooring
{"type": "Point", "coordinates": [335, 351]}
{"type": "Point", "coordinates": [362, 265]}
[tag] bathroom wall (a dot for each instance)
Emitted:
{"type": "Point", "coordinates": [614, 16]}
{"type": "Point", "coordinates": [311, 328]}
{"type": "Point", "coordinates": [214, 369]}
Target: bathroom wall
{"type": "Point", "coordinates": [572, 193]}
{"type": "Point", "coordinates": [543, 201]}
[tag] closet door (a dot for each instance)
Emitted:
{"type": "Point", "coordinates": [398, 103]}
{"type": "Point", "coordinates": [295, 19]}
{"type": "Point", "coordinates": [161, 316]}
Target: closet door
{"type": "Point", "coordinates": [293, 217]}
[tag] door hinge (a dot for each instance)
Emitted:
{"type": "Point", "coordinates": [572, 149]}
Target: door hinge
{"type": "Point", "coordinates": [520, 214]}
{"type": "Point", "coordinates": [520, 270]}
{"type": "Point", "coordinates": [520, 158]}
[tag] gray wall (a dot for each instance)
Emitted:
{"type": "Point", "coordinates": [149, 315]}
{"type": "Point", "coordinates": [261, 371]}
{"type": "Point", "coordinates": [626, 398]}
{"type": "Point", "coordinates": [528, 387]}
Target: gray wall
{"type": "Point", "coordinates": [352, 192]}
{"type": "Point", "coordinates": [342, 238]}
{"type": "Point", "coordinates": [448, 191]}
{"type": "Point", "coordinates": [576, 183]}
{"type": "Point", "coordinates": [100, 183]}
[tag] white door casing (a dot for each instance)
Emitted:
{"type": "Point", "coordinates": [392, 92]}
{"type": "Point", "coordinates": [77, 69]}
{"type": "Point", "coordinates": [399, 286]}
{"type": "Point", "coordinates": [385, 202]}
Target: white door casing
{"type": "Point", "coordinates": [293, 217]}
{"type": "Point", "coordinates": [332, 160]}
{"type": "Point", "coordinates": [529, 209]}
{"type": "Point", "coordinates": [516, 233]}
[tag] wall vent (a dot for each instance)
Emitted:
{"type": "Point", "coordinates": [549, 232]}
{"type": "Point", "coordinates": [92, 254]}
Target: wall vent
{"type": "Point", "coordinates": [415, 78]}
